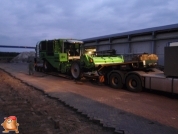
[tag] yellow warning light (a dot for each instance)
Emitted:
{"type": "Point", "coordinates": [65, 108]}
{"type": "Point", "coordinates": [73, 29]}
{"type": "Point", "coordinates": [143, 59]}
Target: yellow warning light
{"type": "Point", "coordinates": [91, 60]}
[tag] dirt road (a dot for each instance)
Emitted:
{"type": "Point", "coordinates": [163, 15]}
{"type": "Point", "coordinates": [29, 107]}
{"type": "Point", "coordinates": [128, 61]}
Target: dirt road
{"type": "Point", "coordinates": [37, 113]}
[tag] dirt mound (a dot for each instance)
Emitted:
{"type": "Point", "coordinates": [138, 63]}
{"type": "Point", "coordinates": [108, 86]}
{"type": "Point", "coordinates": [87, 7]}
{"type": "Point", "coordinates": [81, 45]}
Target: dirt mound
{"type": "Point", "coordinates": [24, 57]}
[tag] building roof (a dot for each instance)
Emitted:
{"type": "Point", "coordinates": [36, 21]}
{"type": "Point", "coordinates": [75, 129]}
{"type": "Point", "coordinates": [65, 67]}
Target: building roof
{"type": "Point", "coordinates": [135, 32]}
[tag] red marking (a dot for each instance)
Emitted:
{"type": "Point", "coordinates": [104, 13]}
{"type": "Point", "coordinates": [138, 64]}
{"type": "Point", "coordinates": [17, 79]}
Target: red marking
{"type": "Point", "coordinates": [12, 117]}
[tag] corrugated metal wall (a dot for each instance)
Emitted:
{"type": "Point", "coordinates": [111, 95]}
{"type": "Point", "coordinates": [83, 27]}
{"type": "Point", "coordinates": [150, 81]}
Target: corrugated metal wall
{"type": "Point", "coordinates": [150, 42]}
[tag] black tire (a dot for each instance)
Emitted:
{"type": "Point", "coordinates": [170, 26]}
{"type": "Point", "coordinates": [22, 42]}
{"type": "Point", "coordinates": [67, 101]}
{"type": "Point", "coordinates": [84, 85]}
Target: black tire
{"type": "Point", "coordinates": [133, 83]}
{"type": "Point", "coordinates": [75, 70]}
{"type": "Point", "coordinates": [115, 81]}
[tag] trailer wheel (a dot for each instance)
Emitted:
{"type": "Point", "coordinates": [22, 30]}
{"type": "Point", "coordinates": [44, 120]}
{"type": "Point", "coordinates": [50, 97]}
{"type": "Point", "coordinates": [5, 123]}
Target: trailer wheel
{"type": "Point", "coordinates": [76, 70]}
{"type": "Point", "coordinates": [115, 81]}
{"type": "Point", "coordinates": [133, 83]}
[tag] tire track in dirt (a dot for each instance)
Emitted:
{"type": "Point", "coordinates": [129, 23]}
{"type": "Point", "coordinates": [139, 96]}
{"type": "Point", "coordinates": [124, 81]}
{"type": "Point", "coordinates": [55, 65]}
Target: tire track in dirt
{"type": "Point", "coordinates": [37, 113]}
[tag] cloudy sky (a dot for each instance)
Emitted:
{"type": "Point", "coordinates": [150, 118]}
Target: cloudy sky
{"type": "Point", "coordinates": [25, 22]}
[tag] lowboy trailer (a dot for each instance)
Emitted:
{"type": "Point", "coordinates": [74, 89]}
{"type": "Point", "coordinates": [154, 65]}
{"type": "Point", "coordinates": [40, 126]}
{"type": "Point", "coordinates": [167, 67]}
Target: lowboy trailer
{"type": "Point", "coordinates": [136, 75]}
{"type": "Point", "coordinates": [67, 56]}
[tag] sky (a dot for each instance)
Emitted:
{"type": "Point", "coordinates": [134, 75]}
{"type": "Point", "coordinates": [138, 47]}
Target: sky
{"type": "Point", "coordinates": [25, 22]}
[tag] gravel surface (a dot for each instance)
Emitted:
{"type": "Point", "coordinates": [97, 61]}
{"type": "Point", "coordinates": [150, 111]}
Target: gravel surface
{"type": "Point", "coordinates": [40, 114]}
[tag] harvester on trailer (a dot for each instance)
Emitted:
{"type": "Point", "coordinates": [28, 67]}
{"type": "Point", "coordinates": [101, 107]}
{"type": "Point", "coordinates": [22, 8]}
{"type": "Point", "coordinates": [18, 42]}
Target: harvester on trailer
{"type": "Point", "coordinates": [68, 56]}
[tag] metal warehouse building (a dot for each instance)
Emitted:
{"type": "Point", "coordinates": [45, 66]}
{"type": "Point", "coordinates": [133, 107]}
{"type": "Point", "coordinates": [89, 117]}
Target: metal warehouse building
{"type": "Point", "coordinates": [150, 40]}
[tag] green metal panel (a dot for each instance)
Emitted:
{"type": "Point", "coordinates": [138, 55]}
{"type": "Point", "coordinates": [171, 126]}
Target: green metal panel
{"type": "Point", "coordinates": [63, 57]}
{"type": "Point", "coordinates": [42, 55]}
{"type": "Point", "coordinates": [65, 67]}
{"type": "Point", "coordinates": [93, 61]}
{"type": "Point", "coordinates": [107, 60]}
{"type": "Point", "coordinates": [56, 46]}
{"type": "Point", "coordinates": [53, 60]}
{"type": "Point", "coordinates": [87, 61]}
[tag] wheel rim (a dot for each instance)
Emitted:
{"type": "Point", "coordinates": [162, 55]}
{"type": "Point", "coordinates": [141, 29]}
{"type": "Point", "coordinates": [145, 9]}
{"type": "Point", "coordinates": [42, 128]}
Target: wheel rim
{"type": "Point", "coordinates": [75, 70]}
{"type": "Point", "coordinates": [115, 81]}
{"type": "Point", "coordinates": [133, 83]}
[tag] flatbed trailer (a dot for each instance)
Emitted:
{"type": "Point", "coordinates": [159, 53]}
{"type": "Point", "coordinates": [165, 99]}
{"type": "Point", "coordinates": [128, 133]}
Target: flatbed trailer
{"type": "Point", "coordinates": [136, 76]}
{"type": "Point", "coordinates": [135, 79]}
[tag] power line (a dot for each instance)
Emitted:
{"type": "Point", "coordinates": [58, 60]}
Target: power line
{"type": "Point", "coordinates": [28, 47]}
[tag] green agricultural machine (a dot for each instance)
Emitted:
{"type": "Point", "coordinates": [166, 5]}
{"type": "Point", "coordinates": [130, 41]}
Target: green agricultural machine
{"type": "Point", "coordinates": [57, 55]}
{"type": "Point", "coordinates": [67, 56]}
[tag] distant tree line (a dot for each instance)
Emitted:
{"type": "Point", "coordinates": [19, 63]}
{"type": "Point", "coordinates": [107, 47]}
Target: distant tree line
{"type": "Point", "coordinates": [8, 54]}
